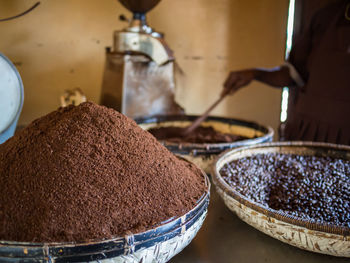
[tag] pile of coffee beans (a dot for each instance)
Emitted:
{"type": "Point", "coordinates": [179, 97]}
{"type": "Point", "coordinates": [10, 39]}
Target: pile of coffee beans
{"type": "Point", "coordinates": [313, 188]}
{"type": "Point", "coordinates": [89, 172]}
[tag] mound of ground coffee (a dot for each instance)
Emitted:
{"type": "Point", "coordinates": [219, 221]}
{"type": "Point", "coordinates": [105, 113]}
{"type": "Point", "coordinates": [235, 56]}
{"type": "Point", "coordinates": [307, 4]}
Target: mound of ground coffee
{"type": "Point", "coordinates": [309, 187]}
{"type": "Point", "coordinates": [89, 172]}
{"type": "Point", "coordinates": [199, 135]}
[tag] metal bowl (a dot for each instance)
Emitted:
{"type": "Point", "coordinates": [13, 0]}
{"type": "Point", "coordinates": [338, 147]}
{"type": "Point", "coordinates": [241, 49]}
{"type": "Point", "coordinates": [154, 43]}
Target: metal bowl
{"type": "Point", "coordinates": [159, 244]}
{"type": "Point", "coordinates": [203, 154]}
{"type": "Point", "coordinates": [322, 238]}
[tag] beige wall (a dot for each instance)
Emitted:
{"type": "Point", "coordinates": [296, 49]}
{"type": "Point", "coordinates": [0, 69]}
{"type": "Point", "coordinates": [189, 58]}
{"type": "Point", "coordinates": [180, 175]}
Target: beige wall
{"type": "Point", "coordinates": [60, 45]}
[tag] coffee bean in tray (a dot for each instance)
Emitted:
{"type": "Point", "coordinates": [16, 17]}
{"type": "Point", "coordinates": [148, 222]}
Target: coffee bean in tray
{"type": "Point", "coordinates": [313, 188]}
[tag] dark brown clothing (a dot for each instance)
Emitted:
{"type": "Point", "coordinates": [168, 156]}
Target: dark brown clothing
{"type": "Point", "coordinates": [320, 111]}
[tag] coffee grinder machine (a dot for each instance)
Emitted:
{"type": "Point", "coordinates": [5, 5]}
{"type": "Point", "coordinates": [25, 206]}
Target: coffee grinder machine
{"type": "Point", "coordinates": [139, 71]}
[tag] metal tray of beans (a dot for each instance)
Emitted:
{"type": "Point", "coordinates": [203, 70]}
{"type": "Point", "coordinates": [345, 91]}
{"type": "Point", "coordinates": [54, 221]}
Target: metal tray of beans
{"type": "Point", "coordinates": [159, 244]}
{"type": "Point", "coordinates": [296, 192]}
{"type": "Point", "coordinates": [203, 154]}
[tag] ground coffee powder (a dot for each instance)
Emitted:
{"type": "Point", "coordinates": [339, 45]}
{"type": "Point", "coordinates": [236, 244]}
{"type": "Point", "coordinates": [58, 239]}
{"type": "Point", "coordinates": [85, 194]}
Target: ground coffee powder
{"type": "Point", "coordinates": [89, 172]}
{"type": "Point", "coordinates": [199, 135]}
{"type": "Point", "coordinates": [315, 188]}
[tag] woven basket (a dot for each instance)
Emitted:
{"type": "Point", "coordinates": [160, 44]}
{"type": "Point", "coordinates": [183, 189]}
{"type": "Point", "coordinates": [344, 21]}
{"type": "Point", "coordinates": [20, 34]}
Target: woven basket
{"type": "Point", "coordinates": [159, 244]}
{"type": "Point", "coordinates": [317, 237]}
{"type": "Point", "coordinates": [204, 154]}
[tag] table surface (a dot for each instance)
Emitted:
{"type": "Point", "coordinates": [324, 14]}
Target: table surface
{"type": "Point", "coordinates": [225, 238]}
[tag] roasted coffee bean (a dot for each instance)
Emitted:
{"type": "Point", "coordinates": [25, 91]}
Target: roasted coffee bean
{"type": "Point", "coordinates": [315, 188]}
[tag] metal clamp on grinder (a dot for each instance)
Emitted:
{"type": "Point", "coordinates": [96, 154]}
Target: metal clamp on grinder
{"type": "Point", "coordinates": [139, 72]}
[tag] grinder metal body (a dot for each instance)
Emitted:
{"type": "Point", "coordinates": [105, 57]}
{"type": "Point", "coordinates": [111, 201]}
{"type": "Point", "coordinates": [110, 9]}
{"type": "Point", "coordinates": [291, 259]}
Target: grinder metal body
{"type": "Point", "coordinates": [139, 71]}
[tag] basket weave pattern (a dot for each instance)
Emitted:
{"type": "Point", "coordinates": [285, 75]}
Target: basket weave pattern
{"type": "Point", "coordinates": [305, 234]}
{"type": "Point", "coordinates": [161, 252]}
{"type": "Point", "coordinates": [304, 238]}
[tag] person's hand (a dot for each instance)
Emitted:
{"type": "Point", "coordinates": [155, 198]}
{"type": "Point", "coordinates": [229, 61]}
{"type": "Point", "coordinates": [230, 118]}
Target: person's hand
{"type": "Point", "coordinates": [237, 80]}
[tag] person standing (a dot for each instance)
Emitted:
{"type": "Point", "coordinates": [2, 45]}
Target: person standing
{"type": "Point", "coordinates": [317, 73]}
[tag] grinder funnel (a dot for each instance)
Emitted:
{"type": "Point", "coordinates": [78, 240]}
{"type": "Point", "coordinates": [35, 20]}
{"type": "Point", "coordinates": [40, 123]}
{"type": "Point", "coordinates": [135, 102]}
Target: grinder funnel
{"type": "Point", "coordinates": [139, 6]}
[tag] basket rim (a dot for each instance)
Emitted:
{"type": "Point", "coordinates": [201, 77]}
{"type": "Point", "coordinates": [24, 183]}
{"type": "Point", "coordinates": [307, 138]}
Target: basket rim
{"type": "Point", "coordinates": [220, 183]}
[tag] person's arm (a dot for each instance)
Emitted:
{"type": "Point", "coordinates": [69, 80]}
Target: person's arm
{"type": "Point", "coordinates": [276, 77]}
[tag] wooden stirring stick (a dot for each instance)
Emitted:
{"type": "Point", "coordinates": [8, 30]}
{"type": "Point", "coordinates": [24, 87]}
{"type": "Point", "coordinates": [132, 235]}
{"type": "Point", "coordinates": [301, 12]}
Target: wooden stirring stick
{"type": "Point", "coordinates": [201, 118]}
